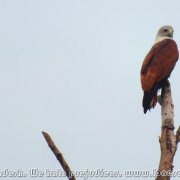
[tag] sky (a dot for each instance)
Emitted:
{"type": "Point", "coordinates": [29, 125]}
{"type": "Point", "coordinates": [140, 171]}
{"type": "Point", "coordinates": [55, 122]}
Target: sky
{"type": "Point", "coordinates": [71, 68]}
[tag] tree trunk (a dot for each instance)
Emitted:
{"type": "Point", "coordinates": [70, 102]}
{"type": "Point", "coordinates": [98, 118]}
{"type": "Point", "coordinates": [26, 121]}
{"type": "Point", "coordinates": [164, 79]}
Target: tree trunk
{"type": "Point", "coordinates": [168, 141]}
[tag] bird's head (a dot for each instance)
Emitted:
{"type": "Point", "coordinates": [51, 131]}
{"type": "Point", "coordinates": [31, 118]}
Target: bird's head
{"type": "Point", "coordinates": [165, 32]}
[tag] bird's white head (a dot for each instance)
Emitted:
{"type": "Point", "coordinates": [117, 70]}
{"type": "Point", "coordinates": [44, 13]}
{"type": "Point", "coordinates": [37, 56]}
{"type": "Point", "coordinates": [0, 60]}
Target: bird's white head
{"type": "Point", "coordinates": [165, 32]}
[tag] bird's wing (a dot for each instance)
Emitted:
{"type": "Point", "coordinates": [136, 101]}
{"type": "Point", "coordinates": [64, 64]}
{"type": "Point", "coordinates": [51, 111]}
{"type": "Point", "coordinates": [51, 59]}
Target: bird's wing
{"type": "Point", "coordinates": [158, 63]}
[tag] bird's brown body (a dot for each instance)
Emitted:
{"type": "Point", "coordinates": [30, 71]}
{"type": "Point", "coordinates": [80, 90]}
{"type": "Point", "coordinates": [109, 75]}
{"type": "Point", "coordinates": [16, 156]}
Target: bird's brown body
{"type": "Point", "coordinates": [156, 68]}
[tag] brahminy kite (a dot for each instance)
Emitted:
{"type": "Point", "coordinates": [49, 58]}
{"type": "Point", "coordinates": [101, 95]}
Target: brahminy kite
{"type": "Point", "coordinates": [158, 65]}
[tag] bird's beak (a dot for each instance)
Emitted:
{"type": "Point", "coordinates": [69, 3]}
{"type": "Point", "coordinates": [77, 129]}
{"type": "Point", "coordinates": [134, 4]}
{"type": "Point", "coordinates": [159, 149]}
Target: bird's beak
{"type": "Point", "coordinates": [171, 32]}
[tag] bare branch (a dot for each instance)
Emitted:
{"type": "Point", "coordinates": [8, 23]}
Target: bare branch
{"type": "Point", "coordinates": [168, 139]}
{"type": "Point", "coordinates": [59, 156]}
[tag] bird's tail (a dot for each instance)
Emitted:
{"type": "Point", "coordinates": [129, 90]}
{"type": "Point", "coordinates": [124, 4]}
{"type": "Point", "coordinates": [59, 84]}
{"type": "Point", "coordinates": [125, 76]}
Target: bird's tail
{"type": "Point", "coordinates": [150, 97]}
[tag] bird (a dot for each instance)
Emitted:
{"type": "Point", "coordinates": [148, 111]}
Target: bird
{"type": "Point", "coordinates": [158, 65]}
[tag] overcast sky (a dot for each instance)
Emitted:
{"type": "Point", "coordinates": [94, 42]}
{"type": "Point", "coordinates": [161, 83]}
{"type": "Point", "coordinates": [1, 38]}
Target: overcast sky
{"type": "Point", "coordinates": [71, 68]}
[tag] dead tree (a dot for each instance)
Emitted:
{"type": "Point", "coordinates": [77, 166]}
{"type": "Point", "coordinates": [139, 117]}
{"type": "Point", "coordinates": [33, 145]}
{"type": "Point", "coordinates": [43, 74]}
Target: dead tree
{"type": "Point", "coordinates": [168, 140]}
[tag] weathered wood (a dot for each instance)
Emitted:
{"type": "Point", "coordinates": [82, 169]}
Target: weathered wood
{"type": "Point", "coordinates": [59, 156]}
{"type": "Point", "coordinates": [168, 141]}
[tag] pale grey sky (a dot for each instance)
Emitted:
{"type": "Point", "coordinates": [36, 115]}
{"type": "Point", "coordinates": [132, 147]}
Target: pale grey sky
{"type": "Point", "coordinates": [71, 68]}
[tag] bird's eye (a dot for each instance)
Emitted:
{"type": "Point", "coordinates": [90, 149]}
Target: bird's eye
{"type": "Point", "coordinates": [165, 30]}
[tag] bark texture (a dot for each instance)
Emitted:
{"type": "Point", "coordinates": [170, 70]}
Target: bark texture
{"type": "Point", "coordinates": [168, 140]}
